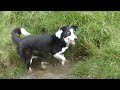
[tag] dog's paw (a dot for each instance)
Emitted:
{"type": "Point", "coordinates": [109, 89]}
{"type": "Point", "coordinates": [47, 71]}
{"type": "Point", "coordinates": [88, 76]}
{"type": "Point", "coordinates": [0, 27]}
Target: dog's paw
{"type": "Point", "coordinates": [44, 65]}
{"type": "Point", "coordinates": [30, 69]}
{"type": "Point", "coordinates": [63, 63]}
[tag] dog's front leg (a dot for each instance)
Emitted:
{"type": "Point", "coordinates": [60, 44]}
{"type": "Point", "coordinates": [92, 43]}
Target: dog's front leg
{"type": "Point", "coordinates": [60, 57]}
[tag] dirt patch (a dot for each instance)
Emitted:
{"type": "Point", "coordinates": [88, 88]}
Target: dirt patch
{"type": "Point", "coordinates": [54, 71]}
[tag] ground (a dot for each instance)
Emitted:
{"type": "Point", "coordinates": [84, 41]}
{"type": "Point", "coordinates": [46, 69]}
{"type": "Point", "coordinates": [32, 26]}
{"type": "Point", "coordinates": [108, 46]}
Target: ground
{"type": "Point", "coordinates": [53, 71]}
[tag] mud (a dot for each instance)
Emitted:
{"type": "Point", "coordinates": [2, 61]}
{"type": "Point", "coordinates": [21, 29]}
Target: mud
{"type": "Point", "coordinates": [54, 70]}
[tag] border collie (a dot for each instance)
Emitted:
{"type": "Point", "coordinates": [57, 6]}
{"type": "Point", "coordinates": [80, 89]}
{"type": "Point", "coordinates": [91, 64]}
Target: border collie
{"type": "Point", "coordinates": [56, 44]}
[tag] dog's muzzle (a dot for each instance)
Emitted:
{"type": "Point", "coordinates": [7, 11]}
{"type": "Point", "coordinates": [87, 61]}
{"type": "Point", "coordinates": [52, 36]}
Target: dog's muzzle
{"type": "Point", "coordinates": [72, 42]}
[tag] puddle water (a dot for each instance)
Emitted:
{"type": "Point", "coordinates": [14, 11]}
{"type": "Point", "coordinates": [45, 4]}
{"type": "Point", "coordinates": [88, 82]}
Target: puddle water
{"type": "Point", "coordinates": [54, 70]}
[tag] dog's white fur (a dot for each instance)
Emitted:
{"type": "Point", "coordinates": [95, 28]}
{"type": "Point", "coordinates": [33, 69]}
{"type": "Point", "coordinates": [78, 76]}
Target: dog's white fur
{"type": "Point", "coordinates": [60, 56]}
{"type": "Point", "coordinates": [68, 40]}
{"type": "Point", "coordinates": [72, 37]}
{"type": "Point", "coordinates": [58, 33]}
{"type": "Point", "coordinates": [24, 32]}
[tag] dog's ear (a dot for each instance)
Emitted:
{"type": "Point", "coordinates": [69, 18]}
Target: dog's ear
{"type": "Point", "coordinates": [74, 27]}
{"type": "Point", "coordinates": [63, 28]}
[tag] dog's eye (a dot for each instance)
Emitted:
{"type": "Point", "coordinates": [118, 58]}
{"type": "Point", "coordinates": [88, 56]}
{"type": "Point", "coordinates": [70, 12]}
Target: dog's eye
{"type": "Point", "coordinates": [68, 33]}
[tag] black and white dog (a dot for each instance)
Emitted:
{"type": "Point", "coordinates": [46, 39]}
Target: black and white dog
{"type": "Point", "coordinates": [56, 44]}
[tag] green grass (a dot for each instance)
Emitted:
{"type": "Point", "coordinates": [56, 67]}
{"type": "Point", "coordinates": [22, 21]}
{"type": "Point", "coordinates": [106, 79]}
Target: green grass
{"type": "Point", "coordinates": [105, 64]}
{"type": "Point", "coordinates": [97, 48]}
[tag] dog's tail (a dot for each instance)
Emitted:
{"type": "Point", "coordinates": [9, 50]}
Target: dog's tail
{"type": "Point", "coordinates": [16, 34]}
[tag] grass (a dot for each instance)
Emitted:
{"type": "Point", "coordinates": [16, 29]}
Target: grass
{"type": "Point", "coordinates": [104, 65]}
{"type": "Point", "coordinates": [97, 49]}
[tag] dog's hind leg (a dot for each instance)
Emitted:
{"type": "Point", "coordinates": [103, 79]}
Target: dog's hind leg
{"type": "Point", "coordinates": [26, 55]}
{"type": "Point", "coordinates": [33, 58]}
{"type": "Point", "coordinates": [29, 67]}
{"type": "Point", "coordinates": [21, 53]}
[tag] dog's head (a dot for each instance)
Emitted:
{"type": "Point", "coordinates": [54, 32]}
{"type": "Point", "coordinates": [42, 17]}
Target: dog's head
{"type": "Point", "coordinates": [67, 33]}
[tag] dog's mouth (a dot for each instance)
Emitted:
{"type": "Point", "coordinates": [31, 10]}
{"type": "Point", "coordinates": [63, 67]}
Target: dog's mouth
{"type": "Point", "coordinates": [72, 42]}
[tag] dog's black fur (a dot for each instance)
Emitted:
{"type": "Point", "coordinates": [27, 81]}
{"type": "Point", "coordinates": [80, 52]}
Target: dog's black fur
{"type": "Point", "coordinates": [45, 43]}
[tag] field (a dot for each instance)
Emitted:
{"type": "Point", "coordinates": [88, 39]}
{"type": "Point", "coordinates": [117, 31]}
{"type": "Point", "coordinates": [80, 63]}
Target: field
{"type": "Point", "coordinates": [97, 50]}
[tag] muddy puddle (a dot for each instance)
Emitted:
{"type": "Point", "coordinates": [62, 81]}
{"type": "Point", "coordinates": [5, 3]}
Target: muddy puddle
{"type": "Point", "coordinates": [54, 70]}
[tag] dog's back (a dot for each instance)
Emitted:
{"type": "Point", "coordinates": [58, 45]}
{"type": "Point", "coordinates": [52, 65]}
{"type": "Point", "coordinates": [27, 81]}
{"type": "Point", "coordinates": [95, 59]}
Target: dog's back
{"type": "Point", "coordinates": [37, 42]}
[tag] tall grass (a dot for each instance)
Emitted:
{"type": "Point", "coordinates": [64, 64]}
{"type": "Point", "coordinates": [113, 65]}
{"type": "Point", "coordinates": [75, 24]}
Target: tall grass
{"type": "Point", "coordinates": [98, 40]}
